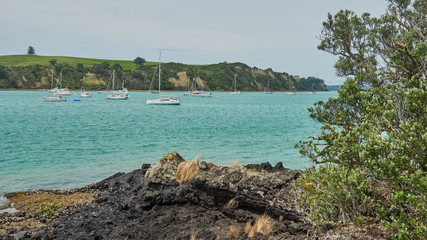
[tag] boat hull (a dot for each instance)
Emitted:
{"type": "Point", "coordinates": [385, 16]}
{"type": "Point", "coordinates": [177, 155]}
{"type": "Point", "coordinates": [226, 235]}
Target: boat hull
{"type": "Point", "coordinates": [163, 101]}
{"type": "Point", "coordinates": [117, 97]}
{"type": "Point", "coordinates": [54, 99]}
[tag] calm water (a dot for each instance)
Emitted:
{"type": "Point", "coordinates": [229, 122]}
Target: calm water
{"type": "Point", "coordinates": [69, 144]}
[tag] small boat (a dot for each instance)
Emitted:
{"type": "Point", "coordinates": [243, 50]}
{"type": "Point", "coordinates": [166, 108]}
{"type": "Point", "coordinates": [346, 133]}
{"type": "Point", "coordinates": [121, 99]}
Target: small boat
{"type": "Point", "coordinates": [76, 100]}
{"type": "Point", "coordinates": [312, 91]}
{"type": "Point", "coordinates": [163, 100]}
{"type": "Point", "coordinates": [116, 95]}
{"type": "Point", "coordinates": [206, 95]}
{"type": "Point", "coordinates": [54, 99]}
{"type": "Point", "coordinates": [235, 91]}
{"type": "Point", "coordinates": [60, 91]}
{"type": "Point", "coordinates": [83, 88]}
{"type": "Point", "coordinates": [268, 88]}
{"type": "Point", "coordinates": [290, 92]}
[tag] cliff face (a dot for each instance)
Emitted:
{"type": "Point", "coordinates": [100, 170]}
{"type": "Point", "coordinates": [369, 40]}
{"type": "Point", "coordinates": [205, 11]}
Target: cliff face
{"type": "Point", "coordinates": [175, 76]}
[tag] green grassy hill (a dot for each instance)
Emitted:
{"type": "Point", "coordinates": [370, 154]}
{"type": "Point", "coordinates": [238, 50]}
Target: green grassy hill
{"type": "Point", "coordinates": [26, 60]}
{"type": "Point", "coordinates": [35, 72]}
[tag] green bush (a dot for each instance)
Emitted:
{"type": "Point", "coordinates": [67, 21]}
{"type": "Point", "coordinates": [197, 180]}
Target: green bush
{"type": "Point", "coordinates": [372, 149]}
{"type": "Point", "coordinates": [49, 209]}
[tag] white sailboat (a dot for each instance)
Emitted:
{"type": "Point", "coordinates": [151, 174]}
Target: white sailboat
{"type": "Point", "coordinates": [116, 95]}
{"type": "Point", "coordinates": [60, 91]}
{"type": "Point", "coordinates": [312, 91]}
{"type": "Point", "coordinates": [235, 83]}
{"type": "Point", "coordinates": [163, 100]}
{"type": "Point", "coordinates": [268, 88]}
{"type": "Point", "coordinates": [54, 99]}
{"type": "Point", "coordinates": [290, 92]}
{"type": "Point", "coordinates": [83, 89]}
{"type": "Point", "coordinates": [53, 90]}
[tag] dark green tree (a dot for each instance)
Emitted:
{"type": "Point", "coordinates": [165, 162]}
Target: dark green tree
{"type": "Point", "coordinates": [31, 50]}
{"type": "Point", "coordinates": [52, 62]}
{"type": "Point", "coordinates": [373, 142]}
{"type": "Point", "coordinates": [139, 61]}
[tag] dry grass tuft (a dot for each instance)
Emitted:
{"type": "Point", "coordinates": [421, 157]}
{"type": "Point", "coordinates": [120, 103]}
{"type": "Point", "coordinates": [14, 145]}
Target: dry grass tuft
{"type": "Point", "coordinates": [248, 227]}
{"type": "Point", "coordinates": [230, 202]}
{"type": "Point", "coordinates": [234, 233]}
{"type": "Point", "coordinates": [235, 164]}
{"type": "Point", "coordinates": [263, 224]}
{"type": "Point", "coordinates": [186, 170]}
{"type": "Point", "coordinates": [281, 218]}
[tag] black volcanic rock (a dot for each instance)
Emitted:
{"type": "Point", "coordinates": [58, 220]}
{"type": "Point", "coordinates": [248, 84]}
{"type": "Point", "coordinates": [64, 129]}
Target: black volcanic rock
{"type": "Point", "coordinates": [134, 206]}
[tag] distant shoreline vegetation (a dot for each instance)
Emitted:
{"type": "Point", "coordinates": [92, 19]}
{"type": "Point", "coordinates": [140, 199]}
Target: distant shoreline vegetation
{"type": "Point", "coordinates": [35, 72]}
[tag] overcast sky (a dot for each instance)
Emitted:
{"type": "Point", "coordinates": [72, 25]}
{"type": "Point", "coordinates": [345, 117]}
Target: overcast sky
{"type": "Point", "coordinates": [277, 34]}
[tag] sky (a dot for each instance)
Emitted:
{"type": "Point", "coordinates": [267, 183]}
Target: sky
{"type": "Point", "coordinates": [277, 34]}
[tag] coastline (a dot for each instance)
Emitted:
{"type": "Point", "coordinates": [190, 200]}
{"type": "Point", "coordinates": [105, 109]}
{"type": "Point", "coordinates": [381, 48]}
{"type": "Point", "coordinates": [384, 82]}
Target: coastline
{"type": "Point", "coordinates": [156, 202]}
{"type": "Point", "coordinates": [132, 90]}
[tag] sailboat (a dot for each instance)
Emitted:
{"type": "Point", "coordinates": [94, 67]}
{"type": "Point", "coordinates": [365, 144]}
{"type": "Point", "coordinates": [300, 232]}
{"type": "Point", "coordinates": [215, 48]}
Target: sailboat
{"type": "Point", "coordinates": [235, 83]}
{"type": "Point", "coordinates": [54, 98]}
{"type": "Point", "coordinates": [163, 100]}
{"type": "Point", "coordinates": [84, 93]}
{"type": "Point", "coordinates": [115, 95]}
{"type": "Point", "coordinates": [312, 91]}
{"type": "Point", "coordinates": [60, 91]}
{"type": "Point", "coordinates": [290, 92]}
{"type": "Point", "coordinates": [151, 89]}
{"type": "Point", "coordinates": [268, 88]}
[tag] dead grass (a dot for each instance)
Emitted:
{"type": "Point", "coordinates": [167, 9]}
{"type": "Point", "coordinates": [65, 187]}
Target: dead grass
{"type": "Point", "coordinates": [186, 170]}
{"type": "Point", "coordinates": [263, 224]}
{"type": "Point", "coordinates": [230, 202]}
{"type": "Point", "coordinates": [235, 164]}
{"type": "Point", "coordinates": [234, 233]}
{"type": "Point", "coordinates": [30, 201]}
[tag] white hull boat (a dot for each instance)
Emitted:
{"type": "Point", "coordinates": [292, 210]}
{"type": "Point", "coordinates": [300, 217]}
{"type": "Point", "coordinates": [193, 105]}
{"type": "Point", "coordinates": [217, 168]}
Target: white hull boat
{"type": "Point", "coordinates": [235, 91]}
{"type": "Point", "coordinates": [54, 99]}
{"type": "Point", "coordinates": [163, 100]}
{"type": "Point", "coordinates": [167, 100]}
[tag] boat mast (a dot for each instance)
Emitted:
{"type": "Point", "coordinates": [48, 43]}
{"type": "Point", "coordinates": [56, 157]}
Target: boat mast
{"type": "Point", "coordinates": [160, 67]}
{"type": "Point", "coordinates": [235, 83]}
{"type": "Point", "coordinates": [60, 81]}
{"type": "Point", "coordinates": [114, 71]}
{"type": "Point", "coordinates": [51, 84]}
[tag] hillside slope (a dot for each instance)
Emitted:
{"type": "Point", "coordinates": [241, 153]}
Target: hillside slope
{"type": "Point", "coordinates": [35, 72]}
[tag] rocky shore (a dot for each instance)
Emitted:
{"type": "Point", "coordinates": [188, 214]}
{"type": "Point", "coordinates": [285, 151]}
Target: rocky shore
{"type": "Point", "coordinates": [216, 202]}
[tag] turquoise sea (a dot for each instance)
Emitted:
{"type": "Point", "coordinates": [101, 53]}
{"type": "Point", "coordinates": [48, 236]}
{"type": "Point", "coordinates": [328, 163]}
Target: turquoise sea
{"type": "Point", "coordinates": [60, 145]}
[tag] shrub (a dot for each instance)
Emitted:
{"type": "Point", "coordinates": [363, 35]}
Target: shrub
{"type": "Point", "coordinates": [373, 142]}
{"type": "Point", "coordinates": [49, 209]}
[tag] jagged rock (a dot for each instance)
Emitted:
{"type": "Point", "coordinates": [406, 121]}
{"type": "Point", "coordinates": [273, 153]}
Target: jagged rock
{"type": "Point", "coordinates": [148, 204]}
{"type": "Point", "coordinates": [165, 169]}
{"type": "Point", "coordinates": [173, 158]}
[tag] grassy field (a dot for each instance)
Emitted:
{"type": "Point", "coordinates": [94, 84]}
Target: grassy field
{"type": "Point", "coordinates": [25, 60]}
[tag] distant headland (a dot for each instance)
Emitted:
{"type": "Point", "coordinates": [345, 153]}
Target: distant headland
{"type": "Point", "coordinates": [35, 72]}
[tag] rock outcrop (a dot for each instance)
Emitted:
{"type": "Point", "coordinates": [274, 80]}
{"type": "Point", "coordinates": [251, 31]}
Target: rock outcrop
{"type": "Point", "coordinates": [148, 203]}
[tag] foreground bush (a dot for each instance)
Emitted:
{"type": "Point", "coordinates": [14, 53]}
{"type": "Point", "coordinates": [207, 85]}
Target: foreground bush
{"type": "Point", "coordinates": [372, 149]}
